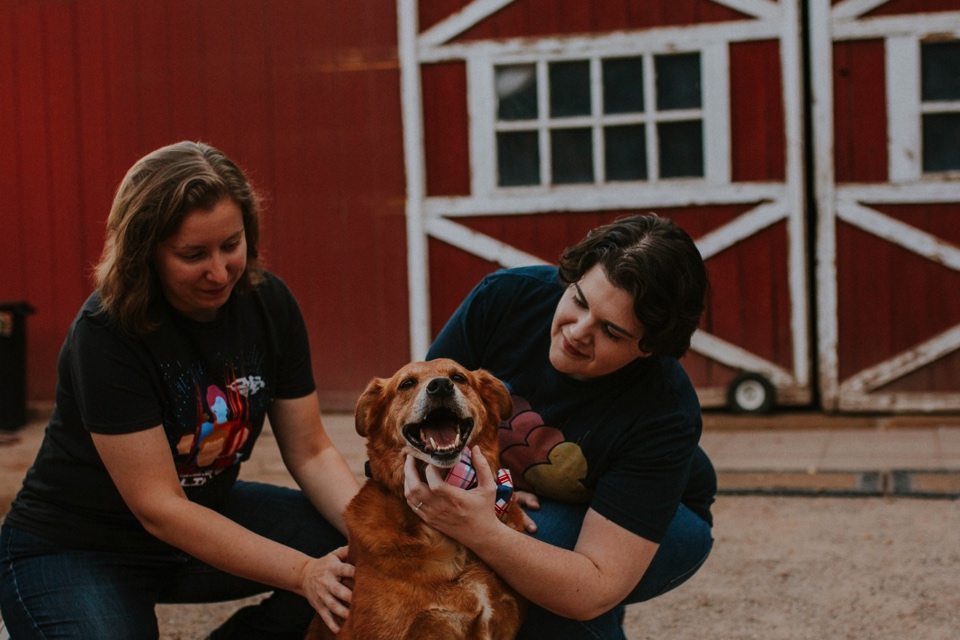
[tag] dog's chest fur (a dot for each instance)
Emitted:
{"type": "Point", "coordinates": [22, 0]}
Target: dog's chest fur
{"type": "Point", "coordinates": [453, 593]}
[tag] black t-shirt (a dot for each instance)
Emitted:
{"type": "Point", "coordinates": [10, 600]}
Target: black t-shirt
{"type": "Point", "coordinates": [625, 443]}
{"type": "Point", "coordinates": [209, 384]}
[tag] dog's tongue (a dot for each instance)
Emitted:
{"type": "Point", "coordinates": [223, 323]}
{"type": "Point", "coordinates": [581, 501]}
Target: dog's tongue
{"type": "Point", "coordinates": [440, 436]}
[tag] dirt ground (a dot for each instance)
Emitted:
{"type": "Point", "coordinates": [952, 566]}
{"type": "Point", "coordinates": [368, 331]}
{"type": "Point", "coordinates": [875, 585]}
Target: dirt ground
{"type": "Point", "coordinates": [787, 568]}
{"type": "Point", "coordinates": [783, 568]}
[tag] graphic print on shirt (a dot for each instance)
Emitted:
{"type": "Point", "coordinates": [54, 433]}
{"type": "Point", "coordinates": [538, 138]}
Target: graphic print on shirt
{"type": "Point", "coordinates": [539, 458]}
{"type": "Point", "coordinates": [217, 428]}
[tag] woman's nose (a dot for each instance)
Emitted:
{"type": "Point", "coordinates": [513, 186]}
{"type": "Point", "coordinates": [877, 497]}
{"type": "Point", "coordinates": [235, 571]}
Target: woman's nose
{"type": "Point", "coordinates": [218, 269]}
{"type": "Point", "coordinates": [580, 330]}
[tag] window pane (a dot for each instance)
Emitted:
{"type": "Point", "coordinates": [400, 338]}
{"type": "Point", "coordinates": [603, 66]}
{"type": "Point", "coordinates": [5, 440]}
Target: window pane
{"type": "Point", "coordinates": [678, 81]}
{"type": "Point", "coordinates": [623, 85]}
{"type": "Point", "coordinates": [940, 71]}
{"type": "Point", "coordinates": [941, 142]}
{"type": "Point", "coordinates": [681, 148]}
{"type": "Point", "coordinates": [626, 155]}
{"type": "Point", "coordinates": [569, 89]}
{"type": "Point", "coordinates": [516, 87]}
{"type": "Point", "coordinates": [571, 154]}
{"type": "Point", "coordinates": [518, 158]}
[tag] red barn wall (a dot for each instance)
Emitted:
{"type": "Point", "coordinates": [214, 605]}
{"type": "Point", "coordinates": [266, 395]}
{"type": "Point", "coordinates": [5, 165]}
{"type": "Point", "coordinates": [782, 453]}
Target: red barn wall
{"type": "Point", "coordinates": [303, 95]}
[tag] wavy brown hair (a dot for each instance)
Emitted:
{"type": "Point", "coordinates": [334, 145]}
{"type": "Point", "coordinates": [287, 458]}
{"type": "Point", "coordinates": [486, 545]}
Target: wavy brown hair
{"type": "Point", "coordinates": [153, 199]}
{"type": "Point", "coordinates": [658, 264]}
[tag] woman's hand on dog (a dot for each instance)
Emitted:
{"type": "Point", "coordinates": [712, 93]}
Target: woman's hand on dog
{"type": "Point", "coordinates": [322, 583]}
{"type": "Point", "coordinates": [529, 501]}
{"type": "Point", "coordinates": [457, 512]}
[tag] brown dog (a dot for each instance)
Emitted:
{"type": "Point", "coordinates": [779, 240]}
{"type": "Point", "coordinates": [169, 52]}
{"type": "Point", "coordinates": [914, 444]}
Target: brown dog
{"type": "Point", "coordinates": [412, 582]}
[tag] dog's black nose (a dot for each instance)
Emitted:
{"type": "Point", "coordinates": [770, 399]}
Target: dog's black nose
{"type": "Point", "coordinates": [440, 387]}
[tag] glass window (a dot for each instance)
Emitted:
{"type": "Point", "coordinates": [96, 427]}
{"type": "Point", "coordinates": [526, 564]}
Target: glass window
{"type": "Point", "coordinates": [516, 88]}
{"type": "Point", "coordinates": [623, 85]}
{"type": "Point", "coordinates": [625, 152]}
{"type": "Point", "coordinates": [940, 105]}
{"type": "Point", "coordinates": [940, 71]}
{"type": "Point", "coordinates": [678, 81]}
{"type": "Point", "coordinates": [569, 89]}
{"type": "Point", "coordinates": [518, 158]}
{"type": "Point", "coordinates": [941, 142]}
{"type": "Point", "coordinates": [571, 155]}
{"type": "Point", "coordinates": [630, 121]}
{"type": "Point", "coordinates": [681, 149]}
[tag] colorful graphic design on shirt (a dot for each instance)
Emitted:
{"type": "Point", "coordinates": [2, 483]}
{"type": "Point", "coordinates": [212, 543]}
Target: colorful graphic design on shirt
{"type": "Point", "coordinates": [222, 426]}
{"type": "Point", "coordinates": [541, 460]}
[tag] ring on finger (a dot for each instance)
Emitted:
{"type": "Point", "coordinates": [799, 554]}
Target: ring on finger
{"type": "Point", "coordinates": [419, 504]}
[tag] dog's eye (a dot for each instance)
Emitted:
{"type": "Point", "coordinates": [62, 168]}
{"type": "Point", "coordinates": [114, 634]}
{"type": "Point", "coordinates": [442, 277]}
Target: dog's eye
{"type": "Point", "coordinates": [409, 383]}
{"type": "Point", "coordinates": [458, 377]}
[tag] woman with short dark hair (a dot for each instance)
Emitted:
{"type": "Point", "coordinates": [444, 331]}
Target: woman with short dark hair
{"type": "Point", "coordinates": [603, 443]}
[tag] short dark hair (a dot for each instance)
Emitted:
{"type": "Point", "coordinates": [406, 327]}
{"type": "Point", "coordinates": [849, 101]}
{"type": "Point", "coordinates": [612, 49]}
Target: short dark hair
{"type": "Point", "coordinates": [153, 199]}
{"type": "Point", "coordinates": [657, 263]}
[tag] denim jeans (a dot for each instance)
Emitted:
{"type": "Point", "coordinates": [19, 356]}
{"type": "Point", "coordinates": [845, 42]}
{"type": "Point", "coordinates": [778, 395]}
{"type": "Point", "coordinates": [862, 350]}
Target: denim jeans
{"type": "Point", "coordinates": [684, 549]}
{"type": "Point", "coordinates": [51, 591]}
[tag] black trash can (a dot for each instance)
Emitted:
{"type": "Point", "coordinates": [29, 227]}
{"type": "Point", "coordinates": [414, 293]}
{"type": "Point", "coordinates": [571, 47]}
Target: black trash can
{"type": "Point", "coordinates": [13, 364]}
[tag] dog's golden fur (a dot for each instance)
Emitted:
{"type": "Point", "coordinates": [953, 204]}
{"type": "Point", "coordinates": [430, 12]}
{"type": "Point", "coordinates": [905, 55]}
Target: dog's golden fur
{"type": "Point", "coordinates": [412, 582]}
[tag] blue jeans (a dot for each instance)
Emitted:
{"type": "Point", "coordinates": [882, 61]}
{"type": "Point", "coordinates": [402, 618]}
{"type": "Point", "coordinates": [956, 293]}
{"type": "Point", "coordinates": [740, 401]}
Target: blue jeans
{"type": "Point", "coordinates": [51, 591]}
{"type": "Point", "coordinates": [684, 549]}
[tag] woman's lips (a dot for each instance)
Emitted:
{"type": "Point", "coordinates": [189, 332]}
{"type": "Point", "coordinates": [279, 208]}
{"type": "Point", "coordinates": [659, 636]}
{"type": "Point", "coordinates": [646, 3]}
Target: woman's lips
{"type": "Point", "coordinates": [573, 351]}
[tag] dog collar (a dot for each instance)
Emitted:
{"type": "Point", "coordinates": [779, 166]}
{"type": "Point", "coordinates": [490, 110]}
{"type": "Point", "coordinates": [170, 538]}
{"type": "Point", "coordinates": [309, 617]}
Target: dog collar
{"type": "Point", "coordinates": [463, 475]}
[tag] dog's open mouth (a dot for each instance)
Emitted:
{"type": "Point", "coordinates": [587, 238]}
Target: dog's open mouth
{"type": "Point", "coordinates": [441, 435]}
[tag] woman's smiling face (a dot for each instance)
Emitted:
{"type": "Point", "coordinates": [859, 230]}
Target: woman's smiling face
{"type": "Point", "coordinates": [199, 265]}
{"type": "Point", "coordinates": [594, 330]}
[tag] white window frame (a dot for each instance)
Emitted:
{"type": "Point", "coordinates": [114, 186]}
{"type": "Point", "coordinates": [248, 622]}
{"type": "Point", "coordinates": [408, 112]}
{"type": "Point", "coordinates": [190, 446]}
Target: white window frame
{"type": "Point", "coordinates": [714, 113]}
{"type": "Point", "coordinates": [649, 117]}
{"type": "Point", "coordinates": [905, 111]}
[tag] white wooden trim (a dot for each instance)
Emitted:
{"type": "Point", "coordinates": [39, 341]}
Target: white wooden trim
{"type": "Point", "coordinates": [758, 8]}
{"type": "Point", "coordinates": [479, 244]}
{"type": "Point", "coordinates": [737, 358]}
{"type": "Point", "coordinates": [904, 363]}
{"type": "Point", "coordinates": [927, 192]}
{"type": "Point", "coordinates": [740, 228]}
{"type": "Point", "coordinates": [647, 41]}
{"type": "Point", "coordinates": [900, 234]}
{"type": "Point", "coordinates": [418, 273]}
{"type": "Point", "coordinates": [668, 193]}
{"type": "Point", "coordinates": [821, 62]}
{"type": "Point", "coordinates": [794, 113]}
{"type": "Point", "coordinates": [943, 23]}
{"type": "Point", "coordinates": [903, 108]}
{"type": "Point", "coordinates": [469, 16]}
{"type": "Point", "coordinates": [851, 9]}
{"type": "Point", "coordinates": [481, 98]}
{"type": "Point", "coordinates": [653, 141]}
{"type": "Point", "coordinates": [715, 74]}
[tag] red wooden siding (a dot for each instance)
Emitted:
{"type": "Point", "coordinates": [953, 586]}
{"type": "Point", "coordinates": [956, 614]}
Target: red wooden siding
{"type": "Point", "coordinates": [304, 95]}
{"type": "Point", "coordinates": [532, 18]}
{"type": "Point", "coordinates": [757, 135]}
{"type": "Point", "coordinates": [860, 111]}
{"type": "Point", "coordinates": [445, 124]}
{"type": "Point", "coordinates": [891, 299]}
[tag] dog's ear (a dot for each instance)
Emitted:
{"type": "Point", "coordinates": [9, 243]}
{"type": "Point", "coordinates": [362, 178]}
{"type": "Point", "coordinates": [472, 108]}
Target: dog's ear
{"type": "Point", "coordinates": [367, 405]}
{"type": "Point", "coordinates": [495, 393]}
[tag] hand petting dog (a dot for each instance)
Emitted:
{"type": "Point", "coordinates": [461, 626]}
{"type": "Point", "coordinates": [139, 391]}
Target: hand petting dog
{"type": "Point", "coordinates": [460, 510]}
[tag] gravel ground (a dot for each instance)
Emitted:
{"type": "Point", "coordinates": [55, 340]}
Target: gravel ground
{"type": "Point", "coordinates": [787, 568]}
{"type": "Point", "coordinates": [793, 568]}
